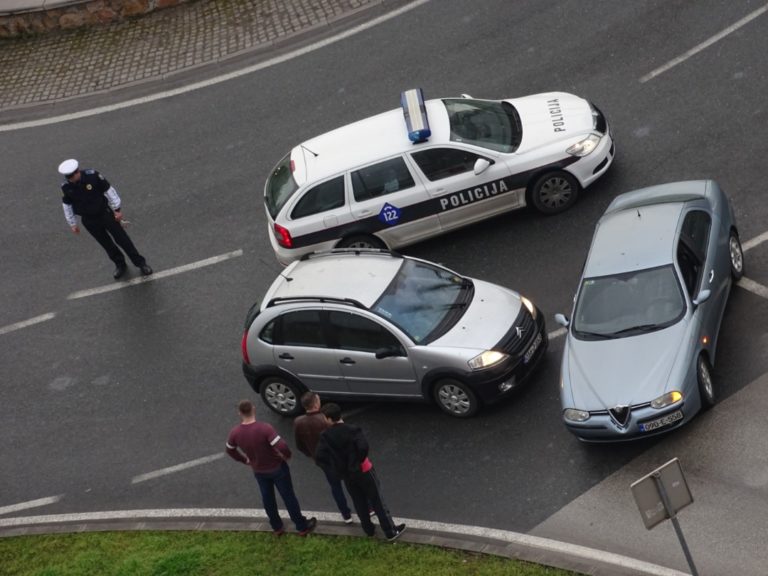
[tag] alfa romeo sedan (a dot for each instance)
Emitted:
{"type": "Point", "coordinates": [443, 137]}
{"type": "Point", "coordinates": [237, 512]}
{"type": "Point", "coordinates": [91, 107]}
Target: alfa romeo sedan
{"type": "Point", "coordinates": [368, 324]}
{"type": "Point", "coordinates": [641, 344]}
{"type": "Point", "coordinates": [433, 166]}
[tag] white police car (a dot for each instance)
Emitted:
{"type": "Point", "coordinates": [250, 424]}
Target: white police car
{"type": "Point", "coordinates": [429, 167]}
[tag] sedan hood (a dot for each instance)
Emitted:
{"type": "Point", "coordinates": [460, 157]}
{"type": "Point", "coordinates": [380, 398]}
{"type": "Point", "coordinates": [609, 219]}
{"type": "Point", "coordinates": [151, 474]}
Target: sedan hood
{"type": "Point", "coordinates": [489, 317]}
{"type": "Point", "coordinates": [625, 371]}
{"type": "Point", "coordinates": [552, 117]}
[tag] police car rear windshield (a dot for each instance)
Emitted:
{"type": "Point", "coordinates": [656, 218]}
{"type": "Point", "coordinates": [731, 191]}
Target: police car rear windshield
{"type": "Point", "coordinates": [485, 123]}
{"type": "Point", "coordinates": [280, 186]}
{"type": "Point", "coordinates": [424, 301]}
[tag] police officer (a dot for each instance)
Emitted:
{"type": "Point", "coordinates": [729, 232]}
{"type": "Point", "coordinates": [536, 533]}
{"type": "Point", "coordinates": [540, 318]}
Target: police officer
{"type": "Point", "coordinates": [88, 195]}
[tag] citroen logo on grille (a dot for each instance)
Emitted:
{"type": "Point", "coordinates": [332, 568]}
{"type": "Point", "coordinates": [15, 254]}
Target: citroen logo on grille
{"type": "Point", "coordinates": [519, 331]}
{"type": "Point", "coordinates": [620, 415]}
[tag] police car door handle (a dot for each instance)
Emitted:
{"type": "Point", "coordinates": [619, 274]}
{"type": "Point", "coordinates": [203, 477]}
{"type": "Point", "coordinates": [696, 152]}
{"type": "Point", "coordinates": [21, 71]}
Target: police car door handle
{"type": "Point", "coordinates": [364, 212]}
{"type": "Point", "coordinates": [347, 360]}
{"type": "Point", "coordinates": [285, 356]}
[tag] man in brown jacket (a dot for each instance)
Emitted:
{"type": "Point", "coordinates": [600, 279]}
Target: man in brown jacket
{"type": "Point", "coordinates": [307, 429]}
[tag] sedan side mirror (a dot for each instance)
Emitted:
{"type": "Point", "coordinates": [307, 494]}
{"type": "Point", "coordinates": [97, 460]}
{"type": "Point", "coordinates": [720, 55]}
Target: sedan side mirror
{"type": "Point", "coordinates": [481, 165]}
{"type": "Point", "coordinates": [562, 319]}
{"type": "Point", "coordinates": [702, 297]}
{"type": "Point", "coordinates": [389, 352]}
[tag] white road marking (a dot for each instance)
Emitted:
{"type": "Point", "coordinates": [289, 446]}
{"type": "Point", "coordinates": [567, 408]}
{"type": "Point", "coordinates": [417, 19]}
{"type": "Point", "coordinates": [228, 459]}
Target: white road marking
{"type": "Point", "coordinates": [756, 241]}
{"type": "Point", "coordinates": [753, 287]}
{"type": "Point", "coordinates": [557, 333]}
{"type": "Point", "coordinates": [177, 468]}
{"type": "Point", "coordinates": [156, 275]}
{"type": "Point", "coordinates": [706, 44]}
{"type": "Point", "coordinates": [534, 543]}
{"type": "Point", "coordinates": [218, 79]}
{"type": "Point", "coordinates": [30, 322]}
{"type": "Point", "coordinates": [31, 504]}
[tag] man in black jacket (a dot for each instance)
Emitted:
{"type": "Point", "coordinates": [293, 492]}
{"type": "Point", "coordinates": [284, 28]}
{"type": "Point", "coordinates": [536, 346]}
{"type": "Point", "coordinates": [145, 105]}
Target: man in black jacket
{"type": "Point", "coordinates": [343, 451]}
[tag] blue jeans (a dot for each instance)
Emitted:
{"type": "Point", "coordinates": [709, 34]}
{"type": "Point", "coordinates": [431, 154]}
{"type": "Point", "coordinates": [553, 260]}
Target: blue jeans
{"type": "Point", "coordinates": [338, 495]}
{"type": "Point", "coordinates": [280, 479]}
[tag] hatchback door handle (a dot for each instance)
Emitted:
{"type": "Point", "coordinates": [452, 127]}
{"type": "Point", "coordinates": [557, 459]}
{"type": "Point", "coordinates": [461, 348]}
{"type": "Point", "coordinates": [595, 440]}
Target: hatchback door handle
{"type": "Point", "coordinates": [347, 360]}
{"type": "Point", "coordinates": [711, 276]}
{"type": "Point", "coordinates": [285, 356]}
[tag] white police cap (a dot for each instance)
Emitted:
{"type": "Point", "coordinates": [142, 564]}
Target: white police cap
{"type": "Point", "coordinates": [68, 167]}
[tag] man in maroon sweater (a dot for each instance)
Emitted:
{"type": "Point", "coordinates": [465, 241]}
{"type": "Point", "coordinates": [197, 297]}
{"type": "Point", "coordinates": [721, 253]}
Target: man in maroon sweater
{"type": "Point", "coordinates": [259, 445]}
{"type": "Point", "coordinates": [306, 430]}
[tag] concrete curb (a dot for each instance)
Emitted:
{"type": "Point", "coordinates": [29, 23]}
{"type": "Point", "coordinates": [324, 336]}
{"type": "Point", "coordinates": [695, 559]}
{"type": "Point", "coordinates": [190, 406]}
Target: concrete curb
{"type": "Point", "coordinates": [456, 536]}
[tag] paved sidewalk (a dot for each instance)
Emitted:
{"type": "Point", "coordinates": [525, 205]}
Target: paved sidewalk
{"type": "Point", "coordinates": [58, 66]}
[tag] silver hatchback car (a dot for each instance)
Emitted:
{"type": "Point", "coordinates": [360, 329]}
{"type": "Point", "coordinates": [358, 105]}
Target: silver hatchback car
{"type": "Point", "coordinates": [642, 341]}
{"type": "Point", "coordinates": [371, 324]}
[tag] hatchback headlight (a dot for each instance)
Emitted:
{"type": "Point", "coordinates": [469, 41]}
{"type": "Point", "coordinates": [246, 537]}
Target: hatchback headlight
{"type": "Point", "coordinates": [528, 304]}
{"type": "Point", "coordinates": [487, 359]}
{"type": "Point", "coordinates": [575, 415]}
{"type": "Point", "coordinates": [666, 399]}
{"type": "Point", "coordinates": [584, 147]}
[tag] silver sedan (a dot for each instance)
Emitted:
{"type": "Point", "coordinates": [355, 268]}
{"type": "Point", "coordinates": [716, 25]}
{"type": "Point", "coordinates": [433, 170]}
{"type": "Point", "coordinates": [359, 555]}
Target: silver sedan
{"type": "Point", "coordinates": [642, 339]}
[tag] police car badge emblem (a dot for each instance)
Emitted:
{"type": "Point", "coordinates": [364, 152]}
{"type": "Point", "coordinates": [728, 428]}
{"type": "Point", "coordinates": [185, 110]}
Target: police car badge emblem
{"type": "Point", "coordinates": [389, 214]}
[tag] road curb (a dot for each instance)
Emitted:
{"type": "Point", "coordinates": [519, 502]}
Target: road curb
{"type": "Point", "coordinates": [455, 536]}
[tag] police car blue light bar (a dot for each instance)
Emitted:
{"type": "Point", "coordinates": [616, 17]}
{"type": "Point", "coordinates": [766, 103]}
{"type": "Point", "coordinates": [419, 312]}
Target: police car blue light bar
{"type": "Point", "coordinates": [415, 114]}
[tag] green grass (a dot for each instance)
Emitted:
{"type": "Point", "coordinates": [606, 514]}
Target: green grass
{"type": "Point", "coordinates": [240, 553]}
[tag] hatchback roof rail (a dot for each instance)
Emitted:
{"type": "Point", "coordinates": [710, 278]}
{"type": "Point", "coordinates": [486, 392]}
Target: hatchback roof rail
{"type": "Point", "coordinates": [355, 251]}
{"type": "Point", "coordinates": [350, 301]}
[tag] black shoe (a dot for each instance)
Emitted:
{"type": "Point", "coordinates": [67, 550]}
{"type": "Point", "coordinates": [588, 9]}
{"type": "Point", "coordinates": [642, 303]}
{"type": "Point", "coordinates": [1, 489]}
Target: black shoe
{"type": "Point", "coordinates": [119, 272]}
{"type": "Point", "coordinates": [399, 529]}
{"type": "Point", "coordinates": [311, 523]}
{"type": "Point", "coordinates": [145, 270]}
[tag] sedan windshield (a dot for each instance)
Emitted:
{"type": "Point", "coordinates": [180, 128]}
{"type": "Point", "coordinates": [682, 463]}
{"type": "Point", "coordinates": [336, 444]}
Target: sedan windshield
{"type": "Point", "coordinates": [424, 301]}
{"type": "Point", "coordinates": [628, 304]}
{"type": "Point", "coordinates": [485, 123]}
{"type": "Point", "coordinates": [280, 187]}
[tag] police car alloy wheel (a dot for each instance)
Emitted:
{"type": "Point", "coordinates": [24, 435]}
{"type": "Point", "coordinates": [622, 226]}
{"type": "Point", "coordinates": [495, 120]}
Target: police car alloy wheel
{"type": "Point", "coordinates": [456, 398]}
{"type": "Point", "coordinates": [554, 192]}
{"type": "Point", "coordinates": [737, 256]}
{"type": "Point", "coordinates": [361, 242]}
{"type": "Point", "coordinates": [706, 385]}
{"type": "Point", "coordinates": [281, 396]}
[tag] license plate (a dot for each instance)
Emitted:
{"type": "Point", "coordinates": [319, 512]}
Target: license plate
{"type": "Point", "coordinates": [532, 350]}
{"type": "Point", "coordinates": [661, 422]}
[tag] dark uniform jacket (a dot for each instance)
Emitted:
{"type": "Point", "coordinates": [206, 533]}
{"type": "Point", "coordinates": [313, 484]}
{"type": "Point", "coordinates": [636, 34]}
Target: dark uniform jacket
{"type": "Point", "coordinates": [87, 196]}
{"type": "Point", "coordinates": [341, 450]}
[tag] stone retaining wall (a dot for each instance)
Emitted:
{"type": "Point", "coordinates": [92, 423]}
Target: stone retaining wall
{"type": "Point", "coordinates": [26, 17]}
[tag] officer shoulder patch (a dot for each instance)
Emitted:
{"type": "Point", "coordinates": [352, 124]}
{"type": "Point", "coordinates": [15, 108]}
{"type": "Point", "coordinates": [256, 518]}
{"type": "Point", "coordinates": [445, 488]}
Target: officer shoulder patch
{"type": "Point", "coordinates": [90, 171]}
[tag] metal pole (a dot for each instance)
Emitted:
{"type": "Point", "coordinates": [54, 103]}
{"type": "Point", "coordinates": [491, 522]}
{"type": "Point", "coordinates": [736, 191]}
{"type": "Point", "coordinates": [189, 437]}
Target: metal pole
{"type": "Point", "coordinates": [675, 523]}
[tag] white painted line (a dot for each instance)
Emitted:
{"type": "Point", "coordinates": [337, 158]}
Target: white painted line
{"type": "Point", "coordinates": [156, 275]}
{"type": "Point", "coordinates": [753, 287]}
{"type": "Point", "coordinates": [756, 241]}
{"type": "Point", "coordinates": [177, 468]}
{"type": "Point", "coordinates": [31, 504]}
{"type": "Point", "coordinates": [25, 323]}
{"type": "Point", "coordinates": [218, 79]}
{"type": "Point", "coordinates": [557, 333]}
{"type": "Point", "coordinates": [457, 530]}
{"type": "Point", "coordinates": [706, 44]}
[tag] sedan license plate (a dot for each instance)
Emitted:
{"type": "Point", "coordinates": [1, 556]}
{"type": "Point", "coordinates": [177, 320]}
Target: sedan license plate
{"type": "Point", "coordinates": [532, 350]}
{"type": "Point", "coordinates": [661, 422]}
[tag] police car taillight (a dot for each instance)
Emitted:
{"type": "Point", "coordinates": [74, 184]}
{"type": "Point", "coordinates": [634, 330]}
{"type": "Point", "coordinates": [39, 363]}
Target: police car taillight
{"type": "Point", "coordinates": [244, 347]}
{"type": "Point", "coordinates": [283, 236]}
{"type": "Point", "coordinates": [293, 166]}
{"type": "Point", "coordinates": [412, 102]}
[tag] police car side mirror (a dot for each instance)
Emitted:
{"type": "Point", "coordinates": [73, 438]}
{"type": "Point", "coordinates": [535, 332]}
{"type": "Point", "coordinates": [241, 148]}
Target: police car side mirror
{"type": "Point", "coordinates": [562, 319]}
{"type": "Point", "coordinates": [481, 165]}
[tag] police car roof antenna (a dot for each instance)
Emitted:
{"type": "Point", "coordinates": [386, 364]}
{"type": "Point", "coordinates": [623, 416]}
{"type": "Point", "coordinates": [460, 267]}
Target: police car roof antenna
{"type": "Point", "coordinates": [315, 154]}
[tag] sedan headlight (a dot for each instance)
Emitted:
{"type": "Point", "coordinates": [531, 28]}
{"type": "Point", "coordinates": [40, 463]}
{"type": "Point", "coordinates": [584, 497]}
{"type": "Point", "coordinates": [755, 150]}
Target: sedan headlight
{"type": "Point", "coordinates": [487, 359]}
{"type": "Point", "coordinates": [575, 415]}
{"type": "Point", "coordinates": [528, 304]}
{"type": "Point", "coordinates": [667, 399]}
{"type": "Point", "coordinates": [584, 147]}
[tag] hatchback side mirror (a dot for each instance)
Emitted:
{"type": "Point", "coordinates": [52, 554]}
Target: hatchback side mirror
{"type": "Point", "coordinates": [389, 352]}
{"type": "Point", "coordinates": [702, 297]}
{"type": "Point", "coordinates": [562, 319]}
{"type": "Point", "coordinates": [481, 165]}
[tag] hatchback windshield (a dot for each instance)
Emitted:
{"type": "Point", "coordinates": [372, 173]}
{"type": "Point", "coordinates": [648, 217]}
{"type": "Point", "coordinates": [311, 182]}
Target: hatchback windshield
{"type": "Point", "coordinates": [280, 186]}
{"type": "Point", "coordinates": [485, 123]}
{"type": "Point", "coordinates": [628, 304]}
{"type": "Point", "coordinates": [424, 301]}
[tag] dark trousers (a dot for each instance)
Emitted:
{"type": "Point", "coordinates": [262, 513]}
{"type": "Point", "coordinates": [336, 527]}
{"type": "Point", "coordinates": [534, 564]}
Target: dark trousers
{"type": "Point", "coordinates": [366, 493]}
{"type": "Point", "coordinates": [107, 231]}
{"type": "Point", "coordinates": [280, 479]}
{"type": "Point", "coordinates": [338, 495]}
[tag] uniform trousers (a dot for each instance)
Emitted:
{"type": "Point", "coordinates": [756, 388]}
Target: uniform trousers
{"type": "Point", "coordinates": [106, 230]}
{"type": "Point", "coordinates": [364, 489]}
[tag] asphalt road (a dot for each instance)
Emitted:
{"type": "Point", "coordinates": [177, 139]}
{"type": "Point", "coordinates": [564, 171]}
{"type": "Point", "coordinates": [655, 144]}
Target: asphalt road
{"type": "Point", "coordinates": [135, 380]}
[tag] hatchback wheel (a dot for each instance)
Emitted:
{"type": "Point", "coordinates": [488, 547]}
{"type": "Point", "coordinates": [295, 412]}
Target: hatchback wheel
{"type": "Point", "coordinates": [706, 383]}
{"type": "Point", "coordinates": [554, 192]}
{"type": "Point", "coordinates": [456, 398]}
{"type": "Point", "coordinates": [737, 256]}
{"type": "Point", "coordinates": [281, 395]}
{"type": "Point", "coordinates": [362, 241]}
